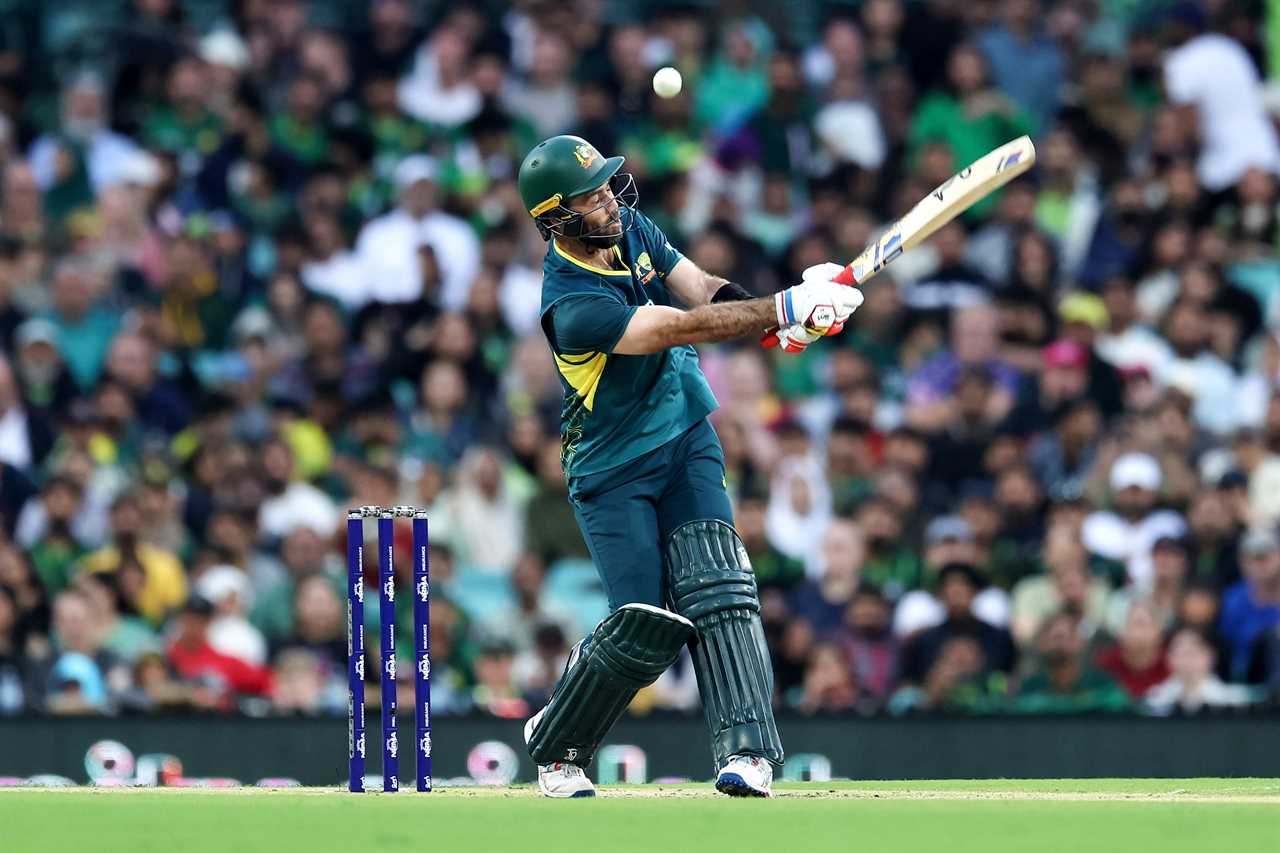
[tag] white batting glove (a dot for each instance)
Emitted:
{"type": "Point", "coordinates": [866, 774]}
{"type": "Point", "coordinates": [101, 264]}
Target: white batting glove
{"type": "Point", "coordinates": [815, 308]}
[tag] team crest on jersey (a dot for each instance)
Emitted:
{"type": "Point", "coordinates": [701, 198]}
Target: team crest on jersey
{"type": "Point", "coordinates": [644, 268]}
{"type": "Point", "coordinates": [586, 155]}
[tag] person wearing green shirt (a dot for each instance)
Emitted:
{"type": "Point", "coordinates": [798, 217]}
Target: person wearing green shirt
{"type": "Point", "coordinates": [184, 124]}
{"type": "Point", "coordinates": [970, 118]}
{"type": "Point", "coordinates": [1065, 682]}
{"type": "Point", "coordinates": [300, 129]}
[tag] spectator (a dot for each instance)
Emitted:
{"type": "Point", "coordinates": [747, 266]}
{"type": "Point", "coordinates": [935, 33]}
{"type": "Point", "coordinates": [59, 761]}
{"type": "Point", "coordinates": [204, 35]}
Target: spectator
{"type": "Point", "coordinates": [960, 679]}
{"type": "Point", "coordinates": [82, 676]}
{"type": "Point", "coordinates": [85, 327]}
{"type": "Point", "coordinates": [25, 436]}
{"type": "Point", "coordinates": [890, 564]}
{"type": "Point", "coordinates": [968, 117]}
{"type": "Point", "coordinates": [973, 343]}
{"type": "Point", "coordinates": [437, 90]}
{"type": "Point", "coordinates": [828, 682]}
{"type": "Point", "coordinates": [183, 125]}
{"type": "Point", "coordinates": [537, 670]}
{"type": "Point", "coordinates": [291, 502]}
{"type": "Point", "coordinates": [958, 586]}
{"type": "Point", "coordinates": [869, 643]}
{"type": "Point", "coordinates": [1067, 587]}
{"type": "Point", "coordinates": [552, 532]}
{"type": "Point", "coordinates": [228, 590]}
{"type": "Point", "coordinates": [84, 150]}
{"type": "Point", "coordinates": [485, 520]}
{"type": "Point", "coordinates": [773, 569]}
{"type": "Point", "coordinates": [495, 691]}
{"type": "Point", "coordinates": [318, 624]}
{"type": "Point", "coordinates": [1025, 61]}
{"type": "Point", "coordinates": [195, 660]}
{"type": "Point", "coordinates": [799, 508]}
{"type": "Point", "coordinates": [546, 98]}
{"type": "Point", "coordinates": [822, 601]}
{"type": "Point", "coordinates": [1137, 660]}
{"type": "Point", "coordinates": [1192, 686]}
{"type": "Point", "coordinates": [1127, 531]}
{"type": "Point", "coordinates": [1209, 76]}
{"type": "Point", "coordinates": [948, 539]}
{"type": "Point", "coordinates": [1170, 570]}
{"type": "Point", "coordinates": [533, 608]}
{"type": "Point", "coordinates": [164, 584]}
{"type": "Point", "coordinates": [1064, 681]}
{"type": "Point", "coordinates": [14, 686]}
{"type": "Point", "coordinates": [1063, 457]}
{"type": "Point", "coordinates": [1252, 606]}
{"type": "Point", "coordinates": [43, 380]}
{"type": "Point", "coordinates": [123, 633]}
{"type": "Point", "coordinates": [159, 404]}
{"type": "Point", "coordinates": [388, 246]}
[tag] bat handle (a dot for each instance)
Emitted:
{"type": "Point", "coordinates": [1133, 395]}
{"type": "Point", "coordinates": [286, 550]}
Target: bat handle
{"type": "Point", "coordinates": [846, 276]}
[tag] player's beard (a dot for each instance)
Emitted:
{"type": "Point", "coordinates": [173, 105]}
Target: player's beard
{"type": "Point", "coordinates": [606, 240]}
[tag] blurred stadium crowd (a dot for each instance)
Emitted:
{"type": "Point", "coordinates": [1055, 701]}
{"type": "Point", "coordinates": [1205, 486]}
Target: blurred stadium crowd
{"type": "Point", "coordinates": [262, 260]}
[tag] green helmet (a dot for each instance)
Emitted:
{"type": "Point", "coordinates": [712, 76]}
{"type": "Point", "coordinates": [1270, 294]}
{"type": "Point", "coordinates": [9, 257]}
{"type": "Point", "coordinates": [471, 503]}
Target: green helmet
{"type": "Point", "coordinates": [556, 170]}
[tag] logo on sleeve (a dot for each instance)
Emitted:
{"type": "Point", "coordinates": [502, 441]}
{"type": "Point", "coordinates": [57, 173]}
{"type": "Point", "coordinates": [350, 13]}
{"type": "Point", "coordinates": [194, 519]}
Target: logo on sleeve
{"type": "Point", "coordinates": [644, 268]}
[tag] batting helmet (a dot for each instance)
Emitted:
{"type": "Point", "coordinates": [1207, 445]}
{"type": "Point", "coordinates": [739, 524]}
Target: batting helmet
{"type": "Point", "coordinates": [559, 168]}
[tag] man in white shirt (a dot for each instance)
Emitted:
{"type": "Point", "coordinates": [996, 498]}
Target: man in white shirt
{"type": "Point", "coordinates": [1126, 343]}
{"type": "Point", "coordinates": [1211, 77]}
{"type": "Point", "coordinates": [107, 155]}
{"type": "Point", "coordinates": [438, 89]}
{"type": "Point", "coordinates": [291, 502]}
{"type": "Point", "coordinates": [387, 247]}
{"type": "Point", "coordinates": [1128, 530]}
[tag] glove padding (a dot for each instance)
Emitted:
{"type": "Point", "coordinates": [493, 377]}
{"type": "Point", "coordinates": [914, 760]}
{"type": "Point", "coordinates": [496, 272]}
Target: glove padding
{"type": "Point", "coordinates": [828, 303]}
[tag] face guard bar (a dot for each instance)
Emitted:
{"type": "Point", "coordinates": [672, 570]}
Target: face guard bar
{"type": "Point", "coordinates": [561, 221]}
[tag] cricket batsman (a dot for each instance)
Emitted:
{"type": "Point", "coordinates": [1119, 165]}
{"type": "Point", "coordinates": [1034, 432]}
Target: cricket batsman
{"type": "Point", "coordinates": [621, 308]}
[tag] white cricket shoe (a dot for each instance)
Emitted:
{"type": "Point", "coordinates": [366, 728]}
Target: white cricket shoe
{"type": "Point", "coordinates": [559, 780]}
{"type": "Point", "coordinates": [746, 776]}
{"type": "Point", "coordinates": [564, 780]}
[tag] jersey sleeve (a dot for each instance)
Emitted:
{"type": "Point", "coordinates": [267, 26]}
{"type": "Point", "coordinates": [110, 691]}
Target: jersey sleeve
{"type": "Point", "coordinates": [663, 255]}
{"type": "Point", "coordinates": [586, 324]}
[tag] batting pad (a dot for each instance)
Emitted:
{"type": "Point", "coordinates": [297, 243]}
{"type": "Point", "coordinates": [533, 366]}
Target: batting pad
{"type": "Point", "coordinates": [711, 583]}
{"type": "Point", "coordinates": [628, 650]}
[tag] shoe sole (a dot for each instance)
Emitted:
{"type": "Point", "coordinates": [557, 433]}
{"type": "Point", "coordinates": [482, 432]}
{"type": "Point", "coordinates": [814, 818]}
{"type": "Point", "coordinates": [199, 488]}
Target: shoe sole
{"type": "Point", "coordinates": [576, 795]}
{"type": "Point", "coordinates": [735, 786]}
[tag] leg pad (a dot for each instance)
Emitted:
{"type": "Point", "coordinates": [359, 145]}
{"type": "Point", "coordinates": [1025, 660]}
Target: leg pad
{"type": "Point", "coordinates": [711, 584]}
{"type": "Point", "coordinates": [628, 650]}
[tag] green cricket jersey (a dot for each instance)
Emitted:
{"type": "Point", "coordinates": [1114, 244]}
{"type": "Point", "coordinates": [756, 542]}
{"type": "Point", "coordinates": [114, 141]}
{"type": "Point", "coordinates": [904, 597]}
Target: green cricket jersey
{"type": "Point", "coordinates": [617, 407]}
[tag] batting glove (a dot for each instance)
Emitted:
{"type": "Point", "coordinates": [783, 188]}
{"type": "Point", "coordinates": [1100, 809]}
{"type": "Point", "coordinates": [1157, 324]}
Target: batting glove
{"type": "Point", "coordinates": [815, 308]}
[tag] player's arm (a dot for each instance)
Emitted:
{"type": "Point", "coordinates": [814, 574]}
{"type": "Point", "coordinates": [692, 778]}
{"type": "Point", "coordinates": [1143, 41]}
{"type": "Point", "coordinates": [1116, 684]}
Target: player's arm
{"type": "Point", "coordinates": [654, 328]}
{"type": "Point", "coordinates": [693, 287]}
{"type": "Point", "coordinates": [817, 305]}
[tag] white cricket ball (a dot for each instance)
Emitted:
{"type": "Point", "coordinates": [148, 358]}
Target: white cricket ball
{"type": "Point", "coordinates": [667, 82]}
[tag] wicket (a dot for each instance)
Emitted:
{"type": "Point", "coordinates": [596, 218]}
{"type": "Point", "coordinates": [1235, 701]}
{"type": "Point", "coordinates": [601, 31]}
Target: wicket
{"type": "Point", "coordinates": [386, 517]}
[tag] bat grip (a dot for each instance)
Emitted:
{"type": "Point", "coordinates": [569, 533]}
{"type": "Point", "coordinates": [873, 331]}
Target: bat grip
{"type": "Point", "coordinates": [845, 276]}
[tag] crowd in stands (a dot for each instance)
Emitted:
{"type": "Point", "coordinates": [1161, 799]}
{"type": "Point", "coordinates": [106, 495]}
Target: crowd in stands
{"type": "Point", "coordinates": [264, 260]}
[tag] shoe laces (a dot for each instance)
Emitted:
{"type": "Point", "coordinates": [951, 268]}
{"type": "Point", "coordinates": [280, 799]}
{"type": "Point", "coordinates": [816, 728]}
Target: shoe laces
{"type": "Point", "coordinates": [571, 770]}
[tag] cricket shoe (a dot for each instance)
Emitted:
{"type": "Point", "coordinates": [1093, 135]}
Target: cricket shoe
{"type": "Point", "coordinates": [560, 780]}
{"type": "Point", "coordinates": [746, 776]}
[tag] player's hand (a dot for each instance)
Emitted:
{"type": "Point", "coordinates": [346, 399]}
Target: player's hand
{"type": "Point", "coordinates": [827, 303]}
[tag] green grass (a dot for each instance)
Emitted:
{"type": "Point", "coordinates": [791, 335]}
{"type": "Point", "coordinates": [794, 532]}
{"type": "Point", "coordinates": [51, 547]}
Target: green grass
{"type": "Point", "coordinates": [1001, 816]}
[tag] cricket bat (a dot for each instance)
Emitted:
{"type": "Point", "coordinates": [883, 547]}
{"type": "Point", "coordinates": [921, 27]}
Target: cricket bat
{"type": "Point", "coordinates": [956, 195]}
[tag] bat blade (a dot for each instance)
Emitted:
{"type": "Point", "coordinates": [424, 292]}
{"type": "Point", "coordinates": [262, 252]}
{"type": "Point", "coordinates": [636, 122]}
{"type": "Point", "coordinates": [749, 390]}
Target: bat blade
{"type": "Point", "coordinates": [952, 198]}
